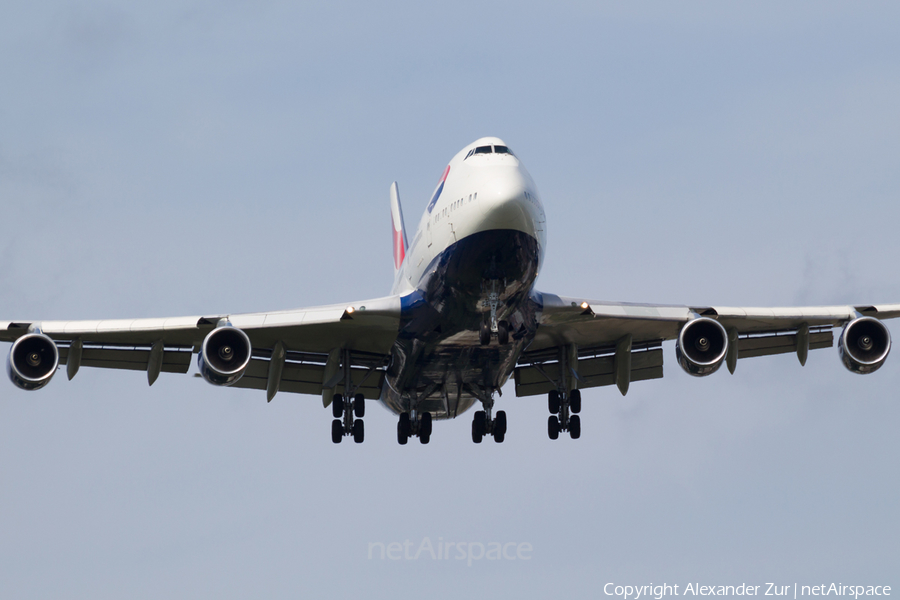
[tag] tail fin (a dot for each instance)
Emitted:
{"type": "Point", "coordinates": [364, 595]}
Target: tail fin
{"type": "Point", "coordinates": [401, 245]}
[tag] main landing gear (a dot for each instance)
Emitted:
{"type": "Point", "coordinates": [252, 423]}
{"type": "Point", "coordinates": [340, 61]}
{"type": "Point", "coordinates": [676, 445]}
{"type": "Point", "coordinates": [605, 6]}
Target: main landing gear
{"type": "Point", "coordinates": [344, 411]}
{"type": "Point", "coordinates": [564, 409]}
{"type": "Point", "coordinates": [409, 426]}
{"type": "Point", "coordinates": [483, 424]}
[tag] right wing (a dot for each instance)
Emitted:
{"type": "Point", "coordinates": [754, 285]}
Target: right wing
{"type": "Point", "coordinates": [315, 342]}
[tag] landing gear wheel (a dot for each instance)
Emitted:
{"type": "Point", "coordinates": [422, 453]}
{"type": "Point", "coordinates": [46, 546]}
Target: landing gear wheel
{"type": "Point", "coordinates": [337, 431]}
{"type": "Point", "coordinates": [359, 406]}
{"type": "Point", "coordinates": [359, 431]}
{"type": "Point", "coordinates": [403, 428]}
{"type": "Point", "coordinates": [425, 426]}
{"type": "Point", "coordinates": [424, 438]}
{"type": "Point", "coordinates": [503, 333]}
{"type": "Point", "coordinates": [575, 427]}
{"type": "Point", "coordinates": [337, 406]}
{"type": "Point", "coordinates": [484, 334]}
{"type": "Point", "coordinates": [575, 401]}
{"type": "Point", "coordinates": [553, 427]}
{"type": "Point", "coordinates": [500, 427]}
{"type": "Point", "coordinates": [553, 402]}
{"type": "Point", "coordinates": [478, 427]}
{"type": "Point", "coordinates": [500, 422]}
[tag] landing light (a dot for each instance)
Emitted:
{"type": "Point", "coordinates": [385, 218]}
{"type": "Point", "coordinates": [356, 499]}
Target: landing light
{"type": "Point", "coordinates": [350, 310]}
{"type": "Point", "coordinates": [585, 305]}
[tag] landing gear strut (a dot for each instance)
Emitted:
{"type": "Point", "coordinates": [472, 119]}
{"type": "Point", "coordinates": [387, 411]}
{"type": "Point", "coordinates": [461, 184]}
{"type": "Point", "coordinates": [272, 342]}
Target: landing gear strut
{"type": "Point", "coordinates": [483, 424]}
{"type": "Point", "coordinates": [347, 412]}
{"type": "Point", "coordinates": [564, 409]}
{"type": "Point", "coordinates": [488, 328]}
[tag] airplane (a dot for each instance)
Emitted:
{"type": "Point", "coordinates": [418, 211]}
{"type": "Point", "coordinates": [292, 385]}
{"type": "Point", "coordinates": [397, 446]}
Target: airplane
{"type": "Point", "coordinates": [463, 317]}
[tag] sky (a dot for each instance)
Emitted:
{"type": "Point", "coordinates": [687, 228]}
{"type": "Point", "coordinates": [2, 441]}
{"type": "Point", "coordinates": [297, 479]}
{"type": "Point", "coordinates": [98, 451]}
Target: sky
{"type": "Point", "coordinates": [194, 157]}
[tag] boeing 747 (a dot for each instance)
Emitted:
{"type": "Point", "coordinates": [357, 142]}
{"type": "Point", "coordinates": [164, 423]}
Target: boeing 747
{"type": "Point", "coordinates": [463, 318]}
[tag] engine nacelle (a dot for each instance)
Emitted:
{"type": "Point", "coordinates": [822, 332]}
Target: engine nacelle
{"type": "Point", "coordinates": [864, 344]}
{"type": "Point", "coordinates": [701, 346]}
{"type": "Point", "coordinates": [224, 355]}
{"type": "Point", "coordinates": [33, 360]}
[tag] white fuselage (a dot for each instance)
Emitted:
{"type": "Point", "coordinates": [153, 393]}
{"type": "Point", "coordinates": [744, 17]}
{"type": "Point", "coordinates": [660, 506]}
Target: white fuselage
{"type": "Point", "coordinates": [471, 264]}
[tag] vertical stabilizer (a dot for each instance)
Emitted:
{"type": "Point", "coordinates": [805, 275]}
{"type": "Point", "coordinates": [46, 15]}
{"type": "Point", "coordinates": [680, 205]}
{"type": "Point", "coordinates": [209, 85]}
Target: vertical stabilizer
{"type": "Point", "coordinates": [401, 245]}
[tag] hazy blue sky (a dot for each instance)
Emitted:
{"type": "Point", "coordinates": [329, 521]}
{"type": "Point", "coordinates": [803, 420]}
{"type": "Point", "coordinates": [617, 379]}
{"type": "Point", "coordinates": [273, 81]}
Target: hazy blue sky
{"type": "Point", "coordinates": [178, 158]}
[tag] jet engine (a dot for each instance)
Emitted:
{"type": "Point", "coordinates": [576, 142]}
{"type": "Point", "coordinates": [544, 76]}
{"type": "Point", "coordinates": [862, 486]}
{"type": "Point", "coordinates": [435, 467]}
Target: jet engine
{"type": "Point", "coordinates": [33, 360]}
{"type": "Point", "coordinates": [224, 355]}
{"type": "Point", "coordinates": [701, 346]}
{"type": "Point", "coordinates": [864, 344]}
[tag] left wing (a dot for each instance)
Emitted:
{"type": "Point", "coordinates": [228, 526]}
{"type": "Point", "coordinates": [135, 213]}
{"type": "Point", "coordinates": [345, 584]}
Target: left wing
{"type": "Point", "coordinates": [309, 345]}
{"type": "Point", "coordinates": [582, 343]}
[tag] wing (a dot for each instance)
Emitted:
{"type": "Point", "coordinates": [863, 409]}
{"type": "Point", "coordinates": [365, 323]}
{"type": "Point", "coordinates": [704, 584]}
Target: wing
{"type": "Point", "coordinates": [578, 341]}
{"type": "Point", "coordinates": [314, 343]}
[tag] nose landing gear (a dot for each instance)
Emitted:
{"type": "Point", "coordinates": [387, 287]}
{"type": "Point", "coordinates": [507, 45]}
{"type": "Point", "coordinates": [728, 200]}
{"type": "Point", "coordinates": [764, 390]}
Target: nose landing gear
{"type": "Point", "coordinates": [487, 329]}
{"type": "Point", "coordinates": [485, 333]}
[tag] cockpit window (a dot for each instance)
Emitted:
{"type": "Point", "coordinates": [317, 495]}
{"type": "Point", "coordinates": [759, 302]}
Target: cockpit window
{"type": "Point", "coordinates": [490, 150]}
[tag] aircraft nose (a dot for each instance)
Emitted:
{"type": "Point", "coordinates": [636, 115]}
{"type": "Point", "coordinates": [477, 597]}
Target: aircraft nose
{"type": "Point", "coordinates": [505, 205]}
